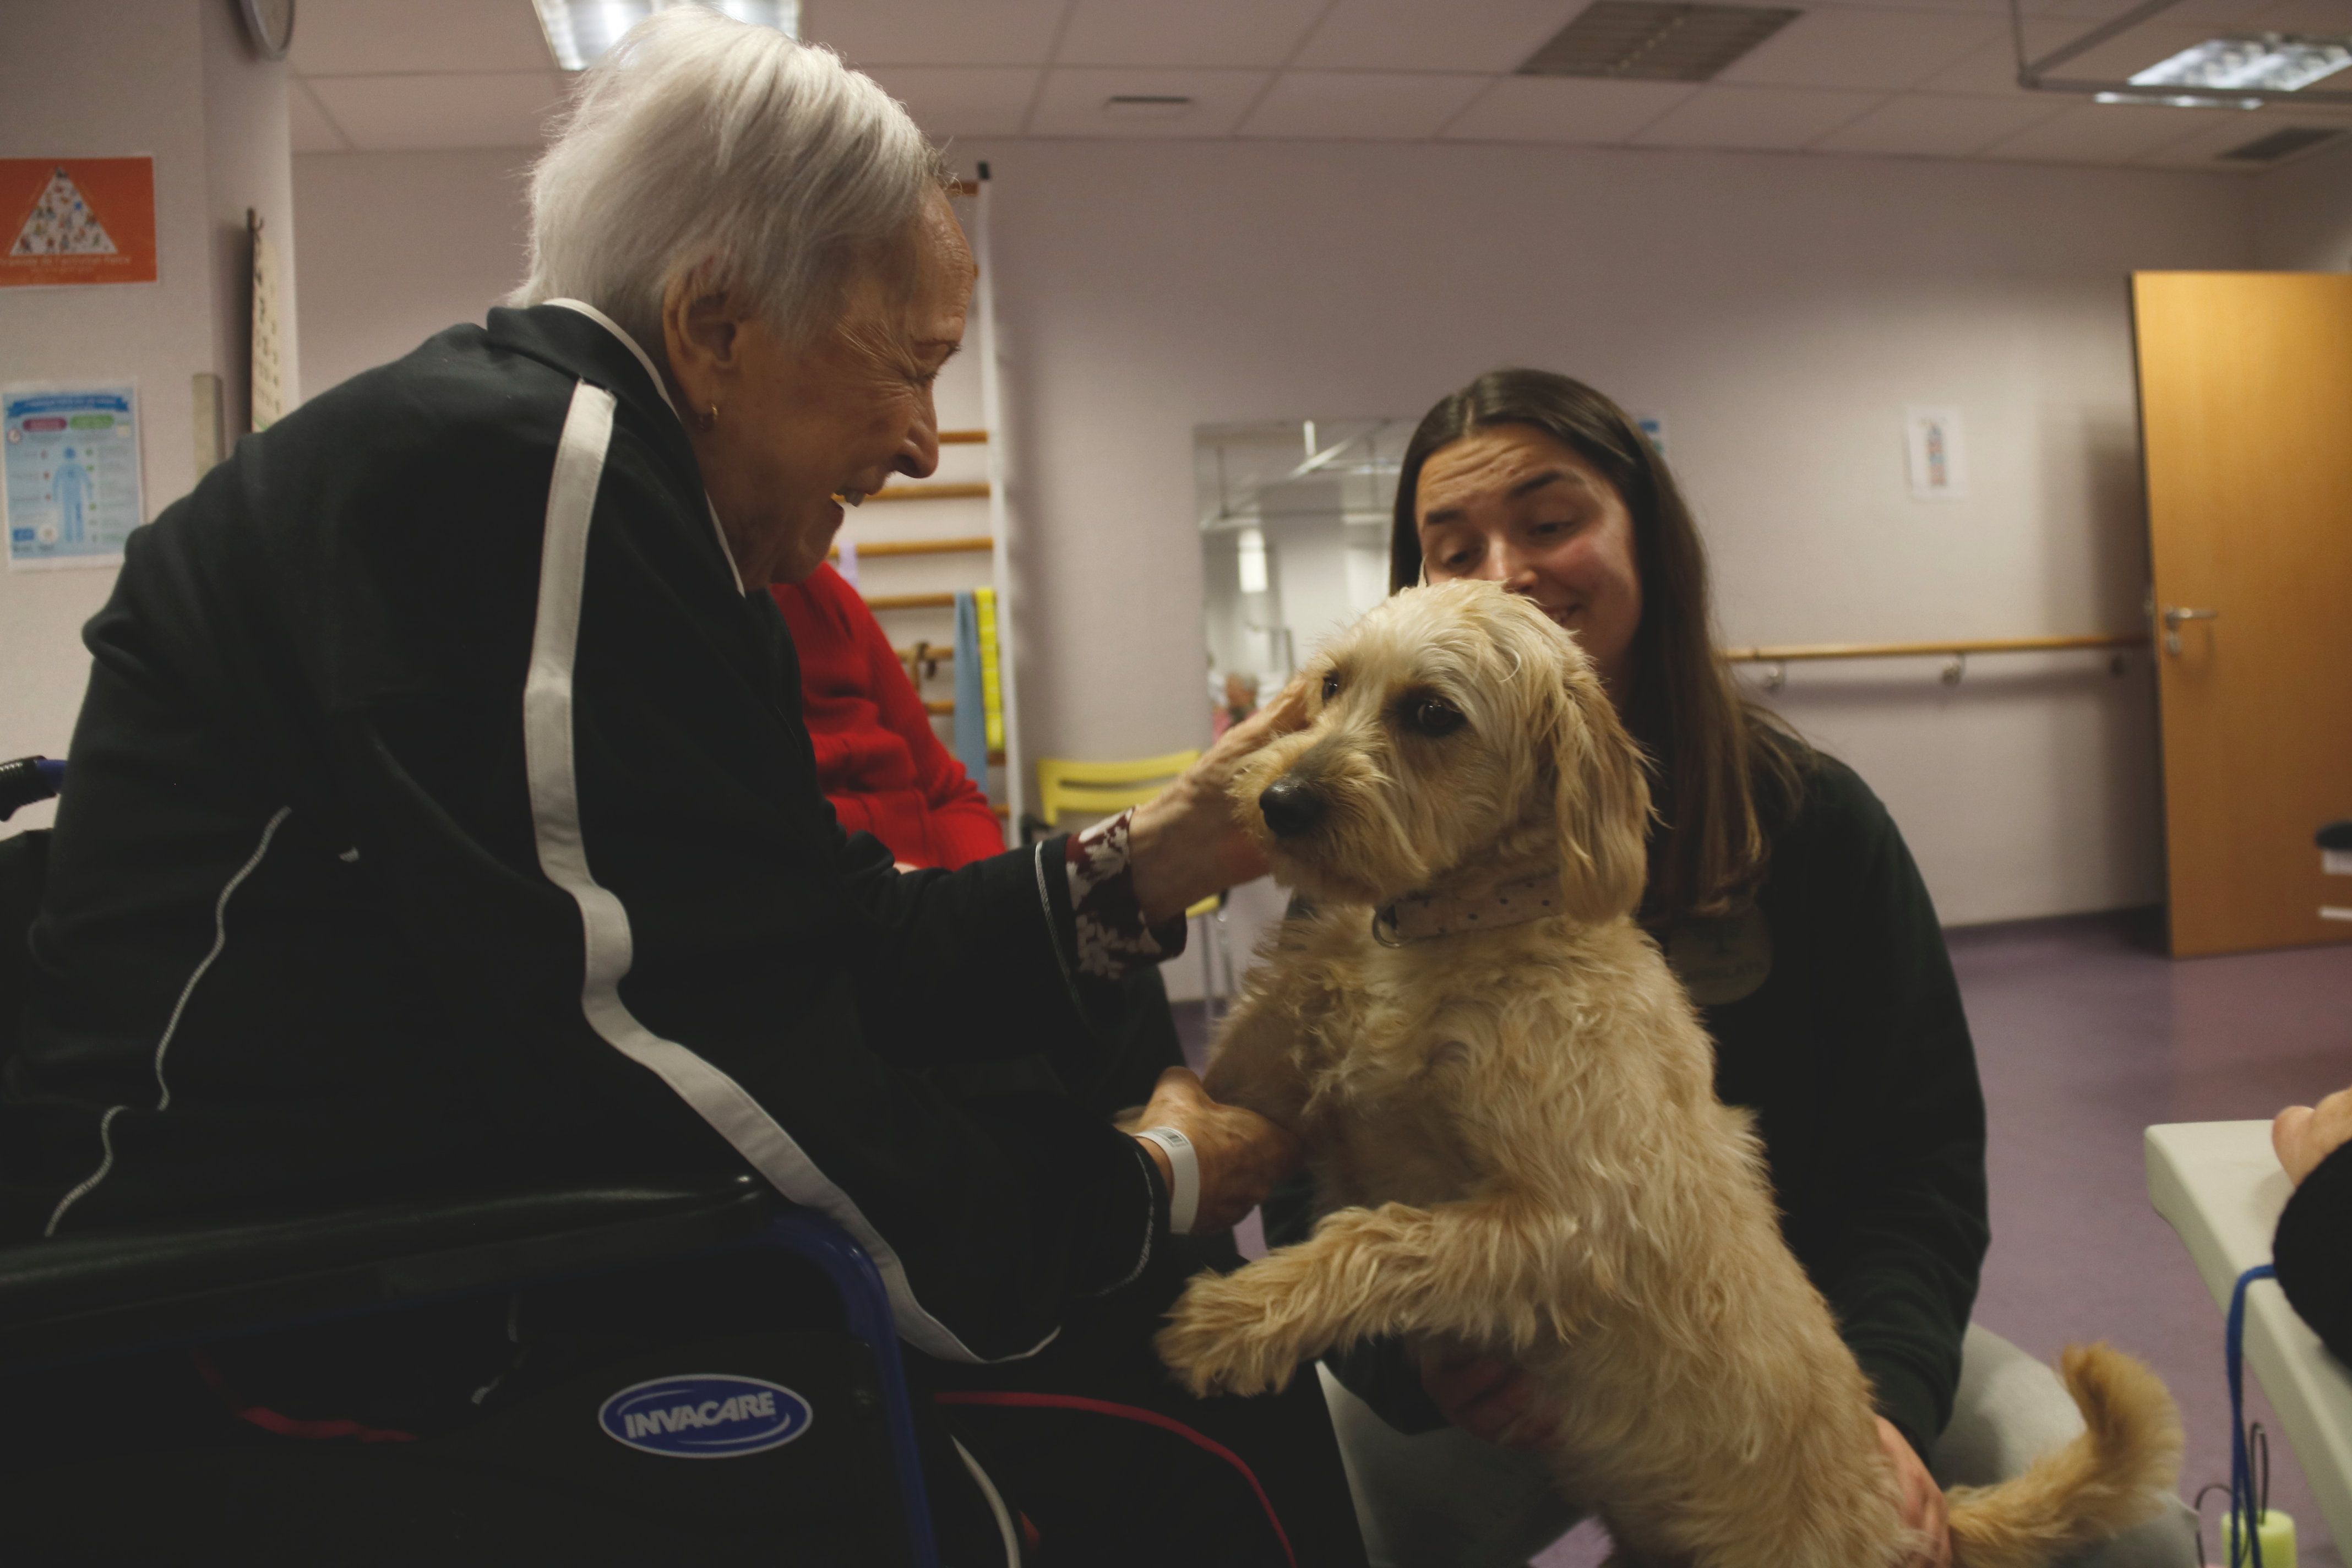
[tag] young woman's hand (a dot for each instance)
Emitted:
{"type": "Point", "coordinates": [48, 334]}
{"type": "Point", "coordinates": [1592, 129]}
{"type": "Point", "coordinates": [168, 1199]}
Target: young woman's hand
{"type": "Point", "coordinates": [1489, 1397]}
{"type": "Point", "coordinates": [2304, 1135]}
{"type": "Point", "coordinates": [1922, 1498]}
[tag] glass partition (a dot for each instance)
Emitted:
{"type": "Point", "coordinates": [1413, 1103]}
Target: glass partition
{"type": "Point", "coordinates": [1294, 517]}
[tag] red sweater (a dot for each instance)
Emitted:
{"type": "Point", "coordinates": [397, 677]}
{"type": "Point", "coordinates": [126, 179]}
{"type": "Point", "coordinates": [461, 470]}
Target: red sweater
{"type": "Point", "coordinates": [877, 759]}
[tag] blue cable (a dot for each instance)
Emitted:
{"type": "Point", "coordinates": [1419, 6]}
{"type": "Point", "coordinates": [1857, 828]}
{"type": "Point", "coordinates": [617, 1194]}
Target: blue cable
{"type": "Point", "coordinates": [2241, 1476]}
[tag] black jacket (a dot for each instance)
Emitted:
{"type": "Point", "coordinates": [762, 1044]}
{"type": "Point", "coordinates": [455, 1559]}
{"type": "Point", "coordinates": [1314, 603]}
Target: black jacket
{"type": "Point", "coordinates": [441, 816]}
{"type": "Point", "coordinates": [2312, 1251]}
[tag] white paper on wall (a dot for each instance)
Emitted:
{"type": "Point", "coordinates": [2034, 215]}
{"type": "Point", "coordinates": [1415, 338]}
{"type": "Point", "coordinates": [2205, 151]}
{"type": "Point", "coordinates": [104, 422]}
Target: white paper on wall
{"type": "Point", "coordinates": [72, 487]}
{"type": "Point", "coordinates": [1939, 454]}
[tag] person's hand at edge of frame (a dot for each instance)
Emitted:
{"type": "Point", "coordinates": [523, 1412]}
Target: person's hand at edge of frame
{"type": "Point", "coordinates": [1921, 1499]}
{"type": "Point", "coordinates": [1183, 844]}
{"type": "Point", "coordinates": [1494, 1399]}
{"type": "Point", "coordinates": [2304, 1135]}
{"type": "Point", "coordinates": [1241, 1154]}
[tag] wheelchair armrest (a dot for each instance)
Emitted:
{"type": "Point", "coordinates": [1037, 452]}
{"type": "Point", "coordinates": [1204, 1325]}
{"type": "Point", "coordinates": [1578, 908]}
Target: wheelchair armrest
{"type": "Point", "coordinates": [104, 1294]}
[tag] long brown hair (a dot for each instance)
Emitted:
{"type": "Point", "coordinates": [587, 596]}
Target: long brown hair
{"type": "Point", "coordinates": [1725, 768]}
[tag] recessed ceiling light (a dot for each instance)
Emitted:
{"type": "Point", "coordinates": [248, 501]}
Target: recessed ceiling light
{"type": "Point", "coordinates": [1645, 40]}
{"type": "Point", "coordinates": [580, 31]}
{"type": "Point", "coordinates": [1148, 105]}
{"type": "Point", "coordinates": [2268, 62]}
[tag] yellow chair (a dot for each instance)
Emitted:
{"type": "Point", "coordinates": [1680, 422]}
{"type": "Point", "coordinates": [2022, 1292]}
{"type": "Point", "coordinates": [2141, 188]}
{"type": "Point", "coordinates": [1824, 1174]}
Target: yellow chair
{"type": "Point", "coordinates": [1099, 789]}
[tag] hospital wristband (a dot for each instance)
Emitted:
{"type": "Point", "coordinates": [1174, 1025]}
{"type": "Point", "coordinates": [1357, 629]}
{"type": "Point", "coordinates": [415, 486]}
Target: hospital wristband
{"type": "Point", "coordinates": [1183, 1176]}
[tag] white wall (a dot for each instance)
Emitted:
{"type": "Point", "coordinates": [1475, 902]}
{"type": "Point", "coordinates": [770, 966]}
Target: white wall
{"type": "Point", "coordinates": [2302, 214]}
{"type": "Point", "coordinates": [114, 78]}
{"type": "Point", "coordinates": [1779, 311]}
{"type": "Point", "coordinates": [397, 246]}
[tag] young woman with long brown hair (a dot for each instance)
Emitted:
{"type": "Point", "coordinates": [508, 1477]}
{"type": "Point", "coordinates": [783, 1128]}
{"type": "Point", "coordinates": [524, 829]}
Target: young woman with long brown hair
{"type": "Point", "coordinates": [1786, 899]}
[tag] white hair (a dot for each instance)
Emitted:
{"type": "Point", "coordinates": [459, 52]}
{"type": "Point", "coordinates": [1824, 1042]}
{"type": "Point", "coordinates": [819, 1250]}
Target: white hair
{"type": "Point", "coordinates": [730, 154]}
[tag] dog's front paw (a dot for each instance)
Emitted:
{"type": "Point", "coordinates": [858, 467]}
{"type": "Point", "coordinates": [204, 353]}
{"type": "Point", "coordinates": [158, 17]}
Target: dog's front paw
{"type": "Point", "coordinates": [1223, 1338]}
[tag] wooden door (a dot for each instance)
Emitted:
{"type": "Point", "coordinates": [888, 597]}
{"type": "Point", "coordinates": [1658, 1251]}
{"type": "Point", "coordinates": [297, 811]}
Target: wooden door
{"type": "Point", "coordinates": [2245, 390]}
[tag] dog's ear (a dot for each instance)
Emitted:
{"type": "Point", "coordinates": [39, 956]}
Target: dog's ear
{"type": "Point", "coordinates": [1601, 799]}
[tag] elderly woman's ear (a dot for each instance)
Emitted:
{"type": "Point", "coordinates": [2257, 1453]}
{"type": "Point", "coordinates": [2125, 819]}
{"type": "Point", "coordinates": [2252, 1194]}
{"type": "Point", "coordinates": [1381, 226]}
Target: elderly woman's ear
{"type": "Point", "coordinates": [702, 337]}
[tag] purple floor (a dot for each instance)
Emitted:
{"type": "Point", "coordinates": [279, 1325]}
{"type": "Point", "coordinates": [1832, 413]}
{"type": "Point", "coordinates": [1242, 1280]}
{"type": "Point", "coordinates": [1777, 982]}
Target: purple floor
{"type": "Point", "coordinates": [2086, 1034]}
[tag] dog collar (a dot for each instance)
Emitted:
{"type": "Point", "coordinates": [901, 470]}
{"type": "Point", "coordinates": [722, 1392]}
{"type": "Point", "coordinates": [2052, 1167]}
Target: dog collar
{"type": "Point", "coordinates": [1420, 917]}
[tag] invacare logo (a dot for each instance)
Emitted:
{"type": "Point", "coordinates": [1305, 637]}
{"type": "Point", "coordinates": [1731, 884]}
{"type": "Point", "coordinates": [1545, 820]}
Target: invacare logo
{"type": "Point", "coordinates": [704, 1415]}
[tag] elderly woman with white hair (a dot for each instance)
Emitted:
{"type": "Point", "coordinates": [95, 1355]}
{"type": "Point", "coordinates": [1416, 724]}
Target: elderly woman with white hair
{"type": "Point", "coordinates": [441, 819]}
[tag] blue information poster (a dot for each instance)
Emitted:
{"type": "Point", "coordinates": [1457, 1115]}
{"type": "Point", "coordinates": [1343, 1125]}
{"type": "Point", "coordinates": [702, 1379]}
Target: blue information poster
{"type": "Point", "coordinates": [70, 455]}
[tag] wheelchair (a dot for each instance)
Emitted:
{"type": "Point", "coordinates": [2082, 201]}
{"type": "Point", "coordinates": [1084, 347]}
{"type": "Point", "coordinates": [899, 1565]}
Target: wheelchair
{"type": "Point", "coordinates": [823, 1458]}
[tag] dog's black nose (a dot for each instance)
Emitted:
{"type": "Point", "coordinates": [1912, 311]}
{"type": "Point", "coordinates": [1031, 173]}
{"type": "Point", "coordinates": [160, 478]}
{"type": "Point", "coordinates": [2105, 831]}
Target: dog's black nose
{"type": "Point", "coordinates": [1290, 807]}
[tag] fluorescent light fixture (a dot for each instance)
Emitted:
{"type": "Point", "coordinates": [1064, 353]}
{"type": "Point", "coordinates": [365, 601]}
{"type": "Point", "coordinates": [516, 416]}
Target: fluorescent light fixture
{"type": "Point", "coordinates": [1252, 556]}
{"type": "Point", "coordinates": [2178, 101]}
{"type": "Point", "coordinates": [579, 32]}
{"type": "Point", "coordinates": [2266, 62]}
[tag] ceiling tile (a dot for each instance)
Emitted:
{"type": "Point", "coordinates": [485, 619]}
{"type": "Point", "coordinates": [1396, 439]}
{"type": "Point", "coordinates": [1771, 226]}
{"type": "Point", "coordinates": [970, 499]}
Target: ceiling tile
{"type": "Point", "coordinates": [1992, 69]}
{"type": "Point", "coordinates": [2199, 14]}
{"type": "Point", "coordinates": [1074, 96]}
{"type": "Point", "coordinates": [1884, 51]}
{"type": "Point", "coordinates": [936, 32]}
{"type": "Point", "coordinates": [1557, 109]}
{"type": "Point", "coordinates": [962, 100]}
{"type": "Point", "coordinates": [414, 114]}
{"type": "Point", "coordinates": [1371, 106]}
{"type": "Point", "coordinates": [313, 131]}
{"type": "Point", "coordinates": [1941, 125]}
{"type": "Point", "coordinates": [2306, 16]}
{"type": "Point", "coordinates": [368, 38]}
{"type": "Point", "coordinates": [1194, 32]}
{"type": "Point", "coordinates": [2203, 147]}
{"type": "Point", "coordinates": [1725, 116]}
{"type": "Point", "coordinates": [1417, 34]}
{"type": "Point", "coordinates": [2100, 133]}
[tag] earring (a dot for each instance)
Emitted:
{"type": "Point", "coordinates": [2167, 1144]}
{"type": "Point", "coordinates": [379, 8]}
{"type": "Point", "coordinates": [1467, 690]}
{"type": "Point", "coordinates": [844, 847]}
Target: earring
{"type": "Point", "coordinates": [708, 421]}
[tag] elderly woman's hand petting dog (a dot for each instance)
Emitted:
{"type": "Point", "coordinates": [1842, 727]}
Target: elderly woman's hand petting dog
{"type": "Point", "coordinates": [1242, 1153]}
{"type": "Point", "coordinates": [1183, 843]}
{"type": "Point", "coordinates": [2304, 1135]}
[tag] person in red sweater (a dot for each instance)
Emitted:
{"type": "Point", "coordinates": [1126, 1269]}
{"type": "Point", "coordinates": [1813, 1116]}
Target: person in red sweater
{"type": "Point", "coordinates": [877, 759]}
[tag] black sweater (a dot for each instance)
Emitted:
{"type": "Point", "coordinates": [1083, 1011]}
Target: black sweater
{"type": "Point", "coordinates": [441, 816]}
{"type": "Point", "coordinates": [2311, 1253]}
{"type": "Point", "coordinates": [1854, 1053]}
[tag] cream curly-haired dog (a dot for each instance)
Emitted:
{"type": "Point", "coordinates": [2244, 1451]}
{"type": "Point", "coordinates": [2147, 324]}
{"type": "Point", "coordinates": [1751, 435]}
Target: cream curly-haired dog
{"type": "Point", "coordinates": [1512, 1126]}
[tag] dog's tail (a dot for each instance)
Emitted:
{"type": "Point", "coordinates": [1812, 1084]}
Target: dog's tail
{"type": "Point", "coordinates": [2116, 1473]}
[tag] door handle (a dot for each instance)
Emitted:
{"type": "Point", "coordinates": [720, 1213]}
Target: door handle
{"type": "Point", "coordinates": [2174, 615]}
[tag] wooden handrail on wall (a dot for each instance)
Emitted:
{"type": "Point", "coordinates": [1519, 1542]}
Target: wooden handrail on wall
{"type": "Point", "coordinates": [910, 602]}
{"type": "Point", "coordinates": [1793, 652]}
{"type": "Point", "coordinates": [969, 544]}
{"type": "Point", "coordinates": [974, 490]}
{"type": "Point", "coordinates": [962, 438]}
{"type": "Point", "coordinates": [1957, 652]}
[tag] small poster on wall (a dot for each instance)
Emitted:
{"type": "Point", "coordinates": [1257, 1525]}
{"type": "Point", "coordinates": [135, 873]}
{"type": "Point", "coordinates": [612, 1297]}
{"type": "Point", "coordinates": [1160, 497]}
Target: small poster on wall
{"type": "Point", "coordinates": [69, 479]}
{"type": "Point", "coordinates": [72, 221]}
{"type": "Point", "coordinates": [1940, 462]}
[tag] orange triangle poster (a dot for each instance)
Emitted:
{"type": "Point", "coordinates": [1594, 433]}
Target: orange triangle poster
{"type": "Point", "coordinates": [66, 221]}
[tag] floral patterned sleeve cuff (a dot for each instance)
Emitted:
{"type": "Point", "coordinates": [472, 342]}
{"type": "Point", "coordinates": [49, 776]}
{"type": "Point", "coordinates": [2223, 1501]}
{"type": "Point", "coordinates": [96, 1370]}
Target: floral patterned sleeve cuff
{"type": "Point", "coordinates": [1112, 937]}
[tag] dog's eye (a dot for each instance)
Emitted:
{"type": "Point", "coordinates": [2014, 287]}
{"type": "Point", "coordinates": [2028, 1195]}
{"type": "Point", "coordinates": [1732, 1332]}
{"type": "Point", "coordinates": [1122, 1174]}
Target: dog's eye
{"type": "Point", "coordinates": [1330, 687]}
{"type": "Point", "coordinates": [1434, 716]}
